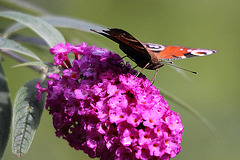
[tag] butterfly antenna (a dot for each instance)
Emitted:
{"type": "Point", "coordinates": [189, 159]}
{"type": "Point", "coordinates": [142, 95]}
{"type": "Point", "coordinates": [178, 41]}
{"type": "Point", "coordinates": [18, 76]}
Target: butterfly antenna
{"type": "Point", "coordinates": [171, 64]}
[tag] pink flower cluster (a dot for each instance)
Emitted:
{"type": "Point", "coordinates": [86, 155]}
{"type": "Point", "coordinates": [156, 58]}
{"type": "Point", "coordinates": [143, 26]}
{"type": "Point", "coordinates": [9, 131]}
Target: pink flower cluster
{"type": "Point", "coordinates": [100, 107]}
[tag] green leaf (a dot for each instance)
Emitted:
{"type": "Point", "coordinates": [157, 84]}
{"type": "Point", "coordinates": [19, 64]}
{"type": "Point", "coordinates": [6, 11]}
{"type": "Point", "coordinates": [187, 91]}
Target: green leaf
{"type": "Point", "coordinates": [67, 22]}
{"type": "Point", "coordinates": [27, 112]}
{"type": "Point", "coordinates": [23, 5]}
{"type": "Point", "coordinates": [14, 46]}
{"type": "Point", "coordinates": [186, 106]}
{"type": "Point", "coordinates": [5, 112]}
{"type": "Point", "coordinates": [62, 22]}
{"type": "Point", "coordinates": [51, 35]}
{"type": "Point", "coordinates": [30, 64]}
{"type": "Point", "coordinates": [38, 41]}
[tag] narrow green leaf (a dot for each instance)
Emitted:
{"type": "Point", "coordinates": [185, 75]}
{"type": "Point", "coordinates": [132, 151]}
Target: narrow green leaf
{"type": "Point", "coordinates": [14, 46]}
{"type": "Point", "coordinates": [62, 22]}
{"type": "Point", "coordinates": [51, 35]}
{"type": "Point", "coordinates": [27, 112]}
{"type": "Point", "coordinates": [23, 5]}
{"type": "Point", "coordinates": [5, 112]}
{"type": "Point", "coordinates": [13, 28]}
{"type": "Point", "coordinates": [67, 22]}
{"type": "Point", "coordinates": [38, 41]}
{"type": "Point", "coordinates": [186, 106]}
{"type": "Point", "coordinates": [30, 64]}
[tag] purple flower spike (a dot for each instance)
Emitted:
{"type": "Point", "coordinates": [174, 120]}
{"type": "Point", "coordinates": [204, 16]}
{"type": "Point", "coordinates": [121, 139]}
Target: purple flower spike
{"type": "Point", "coordinates": [99, 106]}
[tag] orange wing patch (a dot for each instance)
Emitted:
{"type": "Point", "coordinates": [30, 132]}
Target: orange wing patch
{"type": "Point", "coordinates": [173, 53]}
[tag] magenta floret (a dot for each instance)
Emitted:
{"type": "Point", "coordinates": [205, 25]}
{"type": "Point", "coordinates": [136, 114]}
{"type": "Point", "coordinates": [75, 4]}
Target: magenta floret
{"type": "Point", "coordinates": [99, 106]}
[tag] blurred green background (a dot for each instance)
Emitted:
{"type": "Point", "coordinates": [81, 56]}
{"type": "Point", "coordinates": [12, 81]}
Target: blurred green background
{"type": "Point", "coordinates": [214, 92]}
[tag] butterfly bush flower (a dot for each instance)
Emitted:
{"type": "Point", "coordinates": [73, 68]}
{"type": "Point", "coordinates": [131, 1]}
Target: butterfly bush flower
{"type": "Point", "coordinates": [99, 106]}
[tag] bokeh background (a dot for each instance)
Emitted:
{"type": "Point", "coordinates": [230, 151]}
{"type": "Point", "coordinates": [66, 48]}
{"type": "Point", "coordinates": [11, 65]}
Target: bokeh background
{"type": "Point", "coordinates": [214, 92]}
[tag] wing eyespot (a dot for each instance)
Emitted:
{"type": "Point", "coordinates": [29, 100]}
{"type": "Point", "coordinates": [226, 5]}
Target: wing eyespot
{"type": "Point", "coordinates": [155, 47]}
{"type": "Point", "coordinates": [202, 52]}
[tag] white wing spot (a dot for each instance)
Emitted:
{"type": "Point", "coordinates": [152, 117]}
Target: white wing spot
{"type": "Point", "coordinates": [201, 52]}
{"type": "Point", "coordinates": [155, 47]}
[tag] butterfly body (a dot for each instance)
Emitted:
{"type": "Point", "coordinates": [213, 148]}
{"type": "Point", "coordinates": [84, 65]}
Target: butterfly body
{"type": "Point", "coordinates": [148, 55]}
{"type": "Point", "coordinates": [150, 59]}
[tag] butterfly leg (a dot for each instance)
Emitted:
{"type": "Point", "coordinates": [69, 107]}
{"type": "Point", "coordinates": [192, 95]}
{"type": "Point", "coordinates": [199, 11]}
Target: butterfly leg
{"type": "Point", "coordinates": [143, 69]}
{"type": "Point", "coordinates": [121, 58]}
{"type": "Point", "coordinates": [154, 77]}
{"type": "Point", "coordinates": [134, 67]}
{"type": "Point", "coordinates": [117, 59]}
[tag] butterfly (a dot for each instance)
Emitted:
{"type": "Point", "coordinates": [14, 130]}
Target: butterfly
{"type": "Point", "coordinates": [148, 55]}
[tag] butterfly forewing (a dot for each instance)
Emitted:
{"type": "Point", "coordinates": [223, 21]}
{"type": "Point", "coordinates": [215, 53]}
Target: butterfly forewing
{"type": "Point", "coordinates": [134, 49]}
{"type": "Point", "coordinates": [177, 52]}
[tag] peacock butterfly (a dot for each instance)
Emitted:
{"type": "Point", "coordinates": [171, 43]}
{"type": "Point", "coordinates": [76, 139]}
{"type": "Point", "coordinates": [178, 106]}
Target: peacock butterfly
{"type": "Point", "coordinates": [148, 55]}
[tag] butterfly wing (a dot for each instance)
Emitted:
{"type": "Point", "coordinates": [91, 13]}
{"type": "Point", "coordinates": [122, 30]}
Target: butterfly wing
{"type": "Point", "coordinates": [169, 53]}
{"type": "Point", "coordinates": [149, 55]}
{"type": "Point", "coordinates": [134, 49]}
{"type": "Point", "coordinates": [176, 52]}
